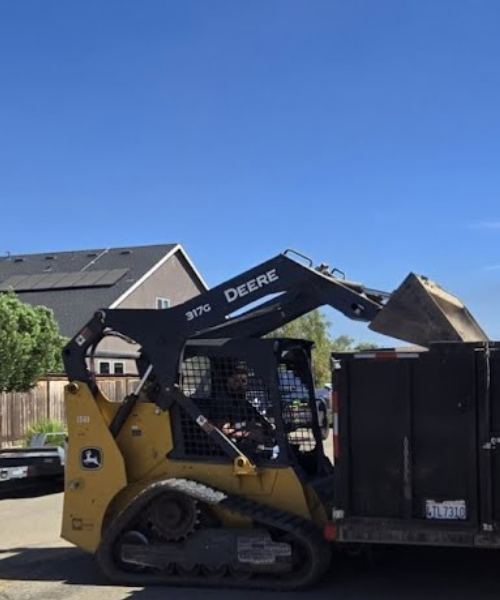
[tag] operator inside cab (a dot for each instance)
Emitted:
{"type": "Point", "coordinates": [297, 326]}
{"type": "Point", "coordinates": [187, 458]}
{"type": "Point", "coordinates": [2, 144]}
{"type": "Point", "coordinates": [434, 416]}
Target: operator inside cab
{"type": "Point", "coordinates": [235, 413]}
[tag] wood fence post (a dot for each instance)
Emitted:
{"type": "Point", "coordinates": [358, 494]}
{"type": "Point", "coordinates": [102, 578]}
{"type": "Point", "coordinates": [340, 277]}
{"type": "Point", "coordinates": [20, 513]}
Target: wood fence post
{"type": "Point", "coordinates": [47, 400]}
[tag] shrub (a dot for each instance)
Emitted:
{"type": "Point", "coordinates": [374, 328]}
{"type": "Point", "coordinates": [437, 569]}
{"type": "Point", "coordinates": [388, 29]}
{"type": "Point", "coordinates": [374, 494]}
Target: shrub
{"type": "Point", "coordinates": [47, 426]}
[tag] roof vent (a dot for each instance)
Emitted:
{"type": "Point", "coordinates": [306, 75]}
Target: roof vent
{"type": "Point", "coordinates": [91, 254]}
{"type": "Point", "coordinates": [126, 252]}
{"type": "Point", "coordinates": [19, 259]}
{"type": "Point", "coordinates": [47, 269]}
{"type": "Point", "coordinates": [50, 257]}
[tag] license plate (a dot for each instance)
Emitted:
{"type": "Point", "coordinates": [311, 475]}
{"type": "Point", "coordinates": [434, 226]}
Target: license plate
{"type": "Point", "coordinates": [448, 510]}
{"type": "Point", "coordinates": [13, 473]}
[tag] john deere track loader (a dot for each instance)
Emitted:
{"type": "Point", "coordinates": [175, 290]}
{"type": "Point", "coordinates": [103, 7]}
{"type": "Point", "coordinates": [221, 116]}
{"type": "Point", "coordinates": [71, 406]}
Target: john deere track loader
{"type": "Point", "coordinates": [212, 472]}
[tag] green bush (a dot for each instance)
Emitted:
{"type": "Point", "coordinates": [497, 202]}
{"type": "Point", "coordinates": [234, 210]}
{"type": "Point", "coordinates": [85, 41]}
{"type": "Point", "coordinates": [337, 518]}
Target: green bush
{"type": "Point", "coordinates": [46, 426]}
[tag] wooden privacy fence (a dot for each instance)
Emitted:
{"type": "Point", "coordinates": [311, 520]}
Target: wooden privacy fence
{"type": "Point", "coordinates": [20, 410]}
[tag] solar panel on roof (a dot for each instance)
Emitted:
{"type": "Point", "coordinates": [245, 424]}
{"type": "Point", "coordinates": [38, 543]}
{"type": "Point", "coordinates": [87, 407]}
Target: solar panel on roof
{"type": "Point", "coordinates": [11, 282]}
{"type": "Point", "coordinates": [90, 278]}
{"type": "Point", "coordinates": [49, 281]}
{"type": "Point", "coordinates": [57, 281]}
{"type": "Point", "coordinates": [29, 282]}
{"type": "Point", "coordinates": [112, 276]}
{"type": "Point", "coordinates": [69, 280]}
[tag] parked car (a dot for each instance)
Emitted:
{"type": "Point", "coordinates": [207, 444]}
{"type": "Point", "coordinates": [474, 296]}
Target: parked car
{"type": "Point", "coordinates": [296, 394]}
{"type": "Point", "coordinates": [325, 393]}
{"type": "Point", "coordinates": [37, 462]}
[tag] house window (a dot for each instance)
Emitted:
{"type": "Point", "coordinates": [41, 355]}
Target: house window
{"type": "Point", "coordinates": [162, 303]}
{"type": "Point", "coordinates": [108, 367]}
{"type": "Point", "coordinates": [104, 368]}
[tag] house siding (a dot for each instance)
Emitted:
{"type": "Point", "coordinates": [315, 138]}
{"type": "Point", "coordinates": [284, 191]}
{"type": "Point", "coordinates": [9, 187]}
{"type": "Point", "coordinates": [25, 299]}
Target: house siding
{"type": "Point", "coordinates": [174, 280]}
{"type": "Point", "coordinates": [111, 344]}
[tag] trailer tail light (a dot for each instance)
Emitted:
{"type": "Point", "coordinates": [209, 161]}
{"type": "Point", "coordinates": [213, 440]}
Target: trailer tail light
{"type": "Point", "coordinates": [330, 531]}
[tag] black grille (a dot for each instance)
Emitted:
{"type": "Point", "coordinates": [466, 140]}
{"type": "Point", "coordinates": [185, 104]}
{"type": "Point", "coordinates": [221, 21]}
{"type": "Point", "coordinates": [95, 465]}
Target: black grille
{"type": "Point", "coordinates": [296, 407]}
{"type": "Point", "coordinates": [232, 397]}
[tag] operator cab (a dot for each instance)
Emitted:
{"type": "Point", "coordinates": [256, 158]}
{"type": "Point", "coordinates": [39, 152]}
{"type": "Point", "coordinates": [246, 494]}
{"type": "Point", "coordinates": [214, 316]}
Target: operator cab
{"type": "Point", "coordinates": [260, 393]}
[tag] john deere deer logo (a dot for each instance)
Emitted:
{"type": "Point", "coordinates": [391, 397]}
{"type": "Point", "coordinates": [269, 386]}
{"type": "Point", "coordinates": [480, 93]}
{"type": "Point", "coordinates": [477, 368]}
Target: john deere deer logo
{"type": "Point", "coordinates": [91, 458]}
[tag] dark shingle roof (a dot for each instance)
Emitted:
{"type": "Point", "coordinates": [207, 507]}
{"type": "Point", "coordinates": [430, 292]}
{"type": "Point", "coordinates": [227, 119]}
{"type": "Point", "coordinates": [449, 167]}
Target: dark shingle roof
{"type": "Point", "coordinates": [73, 307]}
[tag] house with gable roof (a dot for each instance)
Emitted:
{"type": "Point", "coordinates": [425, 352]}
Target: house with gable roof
{"type": "Point", "coordinates": [75, 284]}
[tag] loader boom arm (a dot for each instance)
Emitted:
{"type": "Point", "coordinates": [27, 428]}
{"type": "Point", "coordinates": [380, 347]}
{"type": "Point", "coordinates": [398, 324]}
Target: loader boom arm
{"type": "Point", "coordinates": [162, 334]}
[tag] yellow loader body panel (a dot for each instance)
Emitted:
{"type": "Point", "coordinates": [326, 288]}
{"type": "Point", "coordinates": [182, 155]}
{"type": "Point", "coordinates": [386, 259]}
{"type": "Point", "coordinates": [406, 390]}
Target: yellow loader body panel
{"type": "Point", "coordinates": [138, 458]}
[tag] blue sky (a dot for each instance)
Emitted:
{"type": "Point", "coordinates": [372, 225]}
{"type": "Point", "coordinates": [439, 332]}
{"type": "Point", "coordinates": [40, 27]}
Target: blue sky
{"type": "Point", "coordinates": [365, 134]}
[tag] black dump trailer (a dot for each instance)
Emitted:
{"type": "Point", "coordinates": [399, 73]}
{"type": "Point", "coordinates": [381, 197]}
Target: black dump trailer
{"type": "Point", "coordinates": [417, 445]}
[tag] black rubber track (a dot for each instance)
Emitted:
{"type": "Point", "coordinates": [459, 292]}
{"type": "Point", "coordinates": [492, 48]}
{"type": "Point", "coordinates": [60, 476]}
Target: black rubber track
{"type": "Point", "coordinates": [292, 527]}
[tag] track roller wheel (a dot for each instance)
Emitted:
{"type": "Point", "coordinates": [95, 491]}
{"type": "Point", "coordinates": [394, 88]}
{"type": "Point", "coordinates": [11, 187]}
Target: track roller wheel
{"type": "Point", "coordinates": [188, 571]}
{"type": "Point", "coordinates": [239, 574]}
{"type": "Point", "coordinates": [214, 573]}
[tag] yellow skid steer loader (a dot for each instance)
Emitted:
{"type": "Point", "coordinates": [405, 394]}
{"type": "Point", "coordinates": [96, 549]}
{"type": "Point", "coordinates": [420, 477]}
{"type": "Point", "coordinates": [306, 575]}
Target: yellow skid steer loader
{"type": "Point", "coordinates": [212, 472]}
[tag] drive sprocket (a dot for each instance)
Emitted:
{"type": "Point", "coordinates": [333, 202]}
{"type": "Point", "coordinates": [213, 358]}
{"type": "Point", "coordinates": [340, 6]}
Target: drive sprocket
{"type": "Point", "coordinates": [173, 516]}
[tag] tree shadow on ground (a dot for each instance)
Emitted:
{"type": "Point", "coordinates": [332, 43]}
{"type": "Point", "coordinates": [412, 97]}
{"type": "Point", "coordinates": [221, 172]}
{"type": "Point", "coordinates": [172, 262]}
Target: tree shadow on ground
{"type": "Point", "coordinates": [409, 573]}
{"type": "Point", "coordinates": [66, 564]}
{"type": "Point", "coordinates": [392, 574]}
{"type": "Point", "coordinates": [34, 489]}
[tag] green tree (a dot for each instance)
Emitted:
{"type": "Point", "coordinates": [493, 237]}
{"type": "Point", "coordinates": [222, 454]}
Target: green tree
{"type": "Point", "coordinates": [315, 326]}
{"type": "Point", "coordinates": [30, 344]}
{"type": "Point", "coordinates": [342, 343]}
{"type": "Point", "coordinates": [345, 343]}
{"type": "Point", "coordinates": [365, 346]}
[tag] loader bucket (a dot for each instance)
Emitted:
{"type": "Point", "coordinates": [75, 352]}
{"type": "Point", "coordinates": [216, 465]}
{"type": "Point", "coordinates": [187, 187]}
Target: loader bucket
{"type": "Point", "coordinates": [421, 312]}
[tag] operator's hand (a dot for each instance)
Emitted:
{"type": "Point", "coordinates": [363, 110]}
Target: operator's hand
{"type": "Point", "coordinates": [256, 432]}
{"type": "Point", "coordinates": [252, 431]}
{"type": "Point", "coordinates": [231, 432]}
